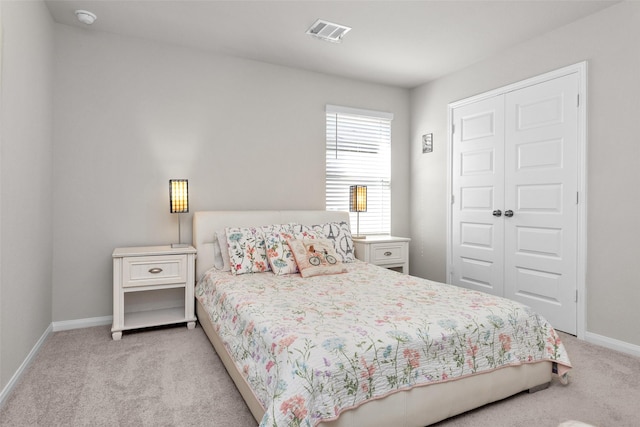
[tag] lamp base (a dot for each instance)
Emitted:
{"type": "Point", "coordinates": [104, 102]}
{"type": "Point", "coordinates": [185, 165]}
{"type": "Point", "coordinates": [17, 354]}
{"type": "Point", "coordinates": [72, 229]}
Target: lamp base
{"type": "Point", "coordinates": [180, 245]}
{"type": "Point", "coordinates": [358, 237]}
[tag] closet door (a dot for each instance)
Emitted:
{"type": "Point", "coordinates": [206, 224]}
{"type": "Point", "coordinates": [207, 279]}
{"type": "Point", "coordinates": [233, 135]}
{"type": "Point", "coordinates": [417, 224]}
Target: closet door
{"type": "Point", "coordinates": [514, 215]}
{"type": "Point", "coordinates": [541, 184]}
{"type": "Point", "coordinates": [478, 192]}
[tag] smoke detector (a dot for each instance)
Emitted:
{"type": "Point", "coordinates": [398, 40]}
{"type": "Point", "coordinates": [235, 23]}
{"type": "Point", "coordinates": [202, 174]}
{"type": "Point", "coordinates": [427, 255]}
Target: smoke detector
{"type": "Point", "coordinates": [328, 31]}
{"type": "Point", "coordinates": [85, 16]}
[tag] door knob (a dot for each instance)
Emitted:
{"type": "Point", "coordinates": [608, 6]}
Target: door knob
{"type": "Point", "coordinates": [497, 212]}
{"type": "Point", "coordinates": [508, 213]}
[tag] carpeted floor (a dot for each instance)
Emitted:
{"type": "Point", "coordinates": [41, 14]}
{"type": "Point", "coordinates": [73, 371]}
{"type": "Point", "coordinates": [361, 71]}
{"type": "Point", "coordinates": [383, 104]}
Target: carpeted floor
{"type": "Point", "coordinates": [173, 377]}
{"type": "Point", "coordinates": [603, 390]}
{"type": "Point", "coordinates": [163, 377]}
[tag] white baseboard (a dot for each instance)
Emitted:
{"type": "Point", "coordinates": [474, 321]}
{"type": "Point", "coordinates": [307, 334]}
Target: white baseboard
{"type": "Point", "coordinates": [6, 391]}
{"type": "Point", "coordinates": [611, 343]}
{"type": "Point", "coordinates": [65, 325]}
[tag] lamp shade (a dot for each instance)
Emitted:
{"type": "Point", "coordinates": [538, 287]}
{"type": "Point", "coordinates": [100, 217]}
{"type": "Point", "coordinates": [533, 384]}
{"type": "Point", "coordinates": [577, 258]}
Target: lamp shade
{"type": "Point", "coordinates": [179, 195]}
{"type": "Point", "coordinates": [358, 198]}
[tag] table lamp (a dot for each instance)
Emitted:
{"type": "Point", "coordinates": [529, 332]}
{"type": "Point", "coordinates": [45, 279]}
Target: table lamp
{"type": "Point", "coordinates": [179, 203]}
{"type": "Point", "coordinates": [358, 203]}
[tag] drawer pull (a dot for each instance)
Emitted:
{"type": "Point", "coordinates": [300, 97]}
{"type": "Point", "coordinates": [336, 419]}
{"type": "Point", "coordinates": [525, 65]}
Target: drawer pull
{"type": "Point", "coordinates": [388, 253]}
{"type": "Point", "coordinates": [155, 270]}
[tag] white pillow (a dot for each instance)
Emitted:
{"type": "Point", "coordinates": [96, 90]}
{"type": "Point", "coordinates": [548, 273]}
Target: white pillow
{"type": "Point", "coordinates": [221, 252]}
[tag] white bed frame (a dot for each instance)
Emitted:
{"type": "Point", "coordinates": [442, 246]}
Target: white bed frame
{"type": "Point", "coordinates": [417, 407]}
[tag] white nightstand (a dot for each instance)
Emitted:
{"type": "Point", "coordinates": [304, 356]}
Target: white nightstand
{"type": "Point", "coordinates": [152, 286]}
{"type": "Point", "coordinates": [385, 251]}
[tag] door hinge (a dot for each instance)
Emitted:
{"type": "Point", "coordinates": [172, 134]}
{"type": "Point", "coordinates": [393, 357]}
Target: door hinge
{"type": "Point", "coordinates": [578, 101]}
{"type": "Point", "coordinates": [453, 199]}
{"type": "Point", "coordinates": [576, 300]}
{"type": "Point", "coordinates": [453, 128]}
{"type": "Point", "coordinates": [577, 197]}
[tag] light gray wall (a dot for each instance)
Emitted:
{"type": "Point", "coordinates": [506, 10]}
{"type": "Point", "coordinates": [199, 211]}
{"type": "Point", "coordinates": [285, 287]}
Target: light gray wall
{"type": "Point", "coordinates": [25, 181]}
{"type": "Point", "coordinates": [131, 114]}
{"type": "Point", "coordinates": [610, 42]}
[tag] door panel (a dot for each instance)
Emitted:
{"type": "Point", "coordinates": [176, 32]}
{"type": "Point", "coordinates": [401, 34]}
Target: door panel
{"type": "Point", "coordinates": [479, 187]}
{"type": "Point", "coordinates": [477, 126]}
{"type": "Point", "coordinates": [540, 285]}
{"type": "Point", "coordinates": [477, 274]}
{"type": "Point", "coordinates": [477, 162]}
{"type": "Point", "coordinates": [478, 235]}
{"type": "Point", "coordinates": [540, 155]}
{"type": "Point", "coordinates": [539, 198]}
{"type": "Point", "coordinates": [541, 187]}
{"type": "Point", "coordinates": [476, 198]}
{"type": "Point", "coordinates": [539, 242]}
{"type": "Point", "coordinates": [540, 112]}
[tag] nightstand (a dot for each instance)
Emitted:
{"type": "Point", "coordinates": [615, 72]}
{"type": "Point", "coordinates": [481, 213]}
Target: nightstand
{"type": "Point", "coordinates": [152, 286]}
{"type": "Point", "coordinates": [385, 251]}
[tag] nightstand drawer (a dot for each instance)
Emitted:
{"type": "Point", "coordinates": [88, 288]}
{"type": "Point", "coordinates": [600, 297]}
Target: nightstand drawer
{"type": "Point", "coordinates": [387, 253]}
{"type": "Point", "coordinates": [154, 270]}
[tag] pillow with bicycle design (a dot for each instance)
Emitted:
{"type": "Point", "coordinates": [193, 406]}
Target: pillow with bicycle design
{"type": "Point", "coordinates": [315, 257]}
{"type": "Point", "coordinates": [338, 233]}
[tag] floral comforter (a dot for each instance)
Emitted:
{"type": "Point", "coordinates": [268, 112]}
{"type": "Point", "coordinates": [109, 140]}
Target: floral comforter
{"type": "Point", "coordinates": [311, 348]}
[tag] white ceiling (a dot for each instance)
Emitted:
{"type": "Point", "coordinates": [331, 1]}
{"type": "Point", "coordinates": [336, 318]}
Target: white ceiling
{"type": "Point", "coordinates": [399, 43]}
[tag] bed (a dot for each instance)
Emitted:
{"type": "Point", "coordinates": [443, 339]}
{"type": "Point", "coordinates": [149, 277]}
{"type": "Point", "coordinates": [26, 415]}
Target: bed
{"type": "Point", "coordinates": [301, 353]}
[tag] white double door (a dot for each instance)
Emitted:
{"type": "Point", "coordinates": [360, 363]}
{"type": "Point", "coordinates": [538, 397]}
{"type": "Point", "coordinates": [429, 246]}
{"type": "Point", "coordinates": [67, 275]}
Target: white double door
{"type": "Point", "coordinates": [515, 189]}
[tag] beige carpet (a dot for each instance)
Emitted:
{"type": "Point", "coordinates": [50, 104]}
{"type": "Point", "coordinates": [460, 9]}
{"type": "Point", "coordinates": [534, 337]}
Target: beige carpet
{"type": "Point", "coordinates": [163, 377]}
{"type": "Point", "coordinates": [172, 377]}
{"type": "Point", "coordinates": [603, 390]}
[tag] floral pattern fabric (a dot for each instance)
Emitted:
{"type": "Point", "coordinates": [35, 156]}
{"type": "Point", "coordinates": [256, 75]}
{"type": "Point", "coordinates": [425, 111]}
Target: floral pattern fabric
{"type": "Point", "coordinates": [279, 254]}
{"type": "Point", "coordinates": [311, 348]}
{"type": "Point", "coordinates": [338, 232]}
{"type": "Point", "coordinates": [247, 253]}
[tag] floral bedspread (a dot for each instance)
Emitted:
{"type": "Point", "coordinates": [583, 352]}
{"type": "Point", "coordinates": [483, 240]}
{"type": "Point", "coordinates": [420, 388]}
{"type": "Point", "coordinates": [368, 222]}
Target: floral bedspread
{"type": "Point", "coordinates": [311, 348]}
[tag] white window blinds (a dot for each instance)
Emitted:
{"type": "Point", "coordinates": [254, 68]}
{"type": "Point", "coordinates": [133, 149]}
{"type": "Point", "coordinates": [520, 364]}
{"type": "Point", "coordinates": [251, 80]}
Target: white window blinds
{"type": "Point", "coordinates": [358, 152]}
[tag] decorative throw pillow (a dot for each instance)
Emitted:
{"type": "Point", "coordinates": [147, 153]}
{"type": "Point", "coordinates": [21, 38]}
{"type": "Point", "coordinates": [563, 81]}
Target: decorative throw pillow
{"type": "Point", "coordinates": [221, 251]}
{"type": "Point", "coordinates": [280, 258]}
{"type": "Point", "coordinates": [247, 252]}
{"type": "Point", "coordinates": [315, 257]}
{"type": "Point", "coordinates": [338, 232]}
{"type": "Point", "coordinates": [306, 232]}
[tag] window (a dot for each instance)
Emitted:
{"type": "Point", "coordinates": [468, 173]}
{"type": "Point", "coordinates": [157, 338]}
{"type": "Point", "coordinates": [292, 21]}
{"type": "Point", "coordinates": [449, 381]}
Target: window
{"type": "Point", "coordinates": [358, 152]}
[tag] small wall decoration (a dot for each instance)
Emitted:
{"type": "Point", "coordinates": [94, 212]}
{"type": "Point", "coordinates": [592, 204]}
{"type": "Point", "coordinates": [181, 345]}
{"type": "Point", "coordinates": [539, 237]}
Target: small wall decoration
{"type": "Point", "coordinates": [427, 143]}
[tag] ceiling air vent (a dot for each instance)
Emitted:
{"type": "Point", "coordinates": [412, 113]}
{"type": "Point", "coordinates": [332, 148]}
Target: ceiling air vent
{"type": "Point", "coordinates": [328, 31]}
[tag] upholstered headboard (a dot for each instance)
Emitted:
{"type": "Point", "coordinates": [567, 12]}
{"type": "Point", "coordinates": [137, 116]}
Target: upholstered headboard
{"type": "Point", "coordinates": [206, 223]}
